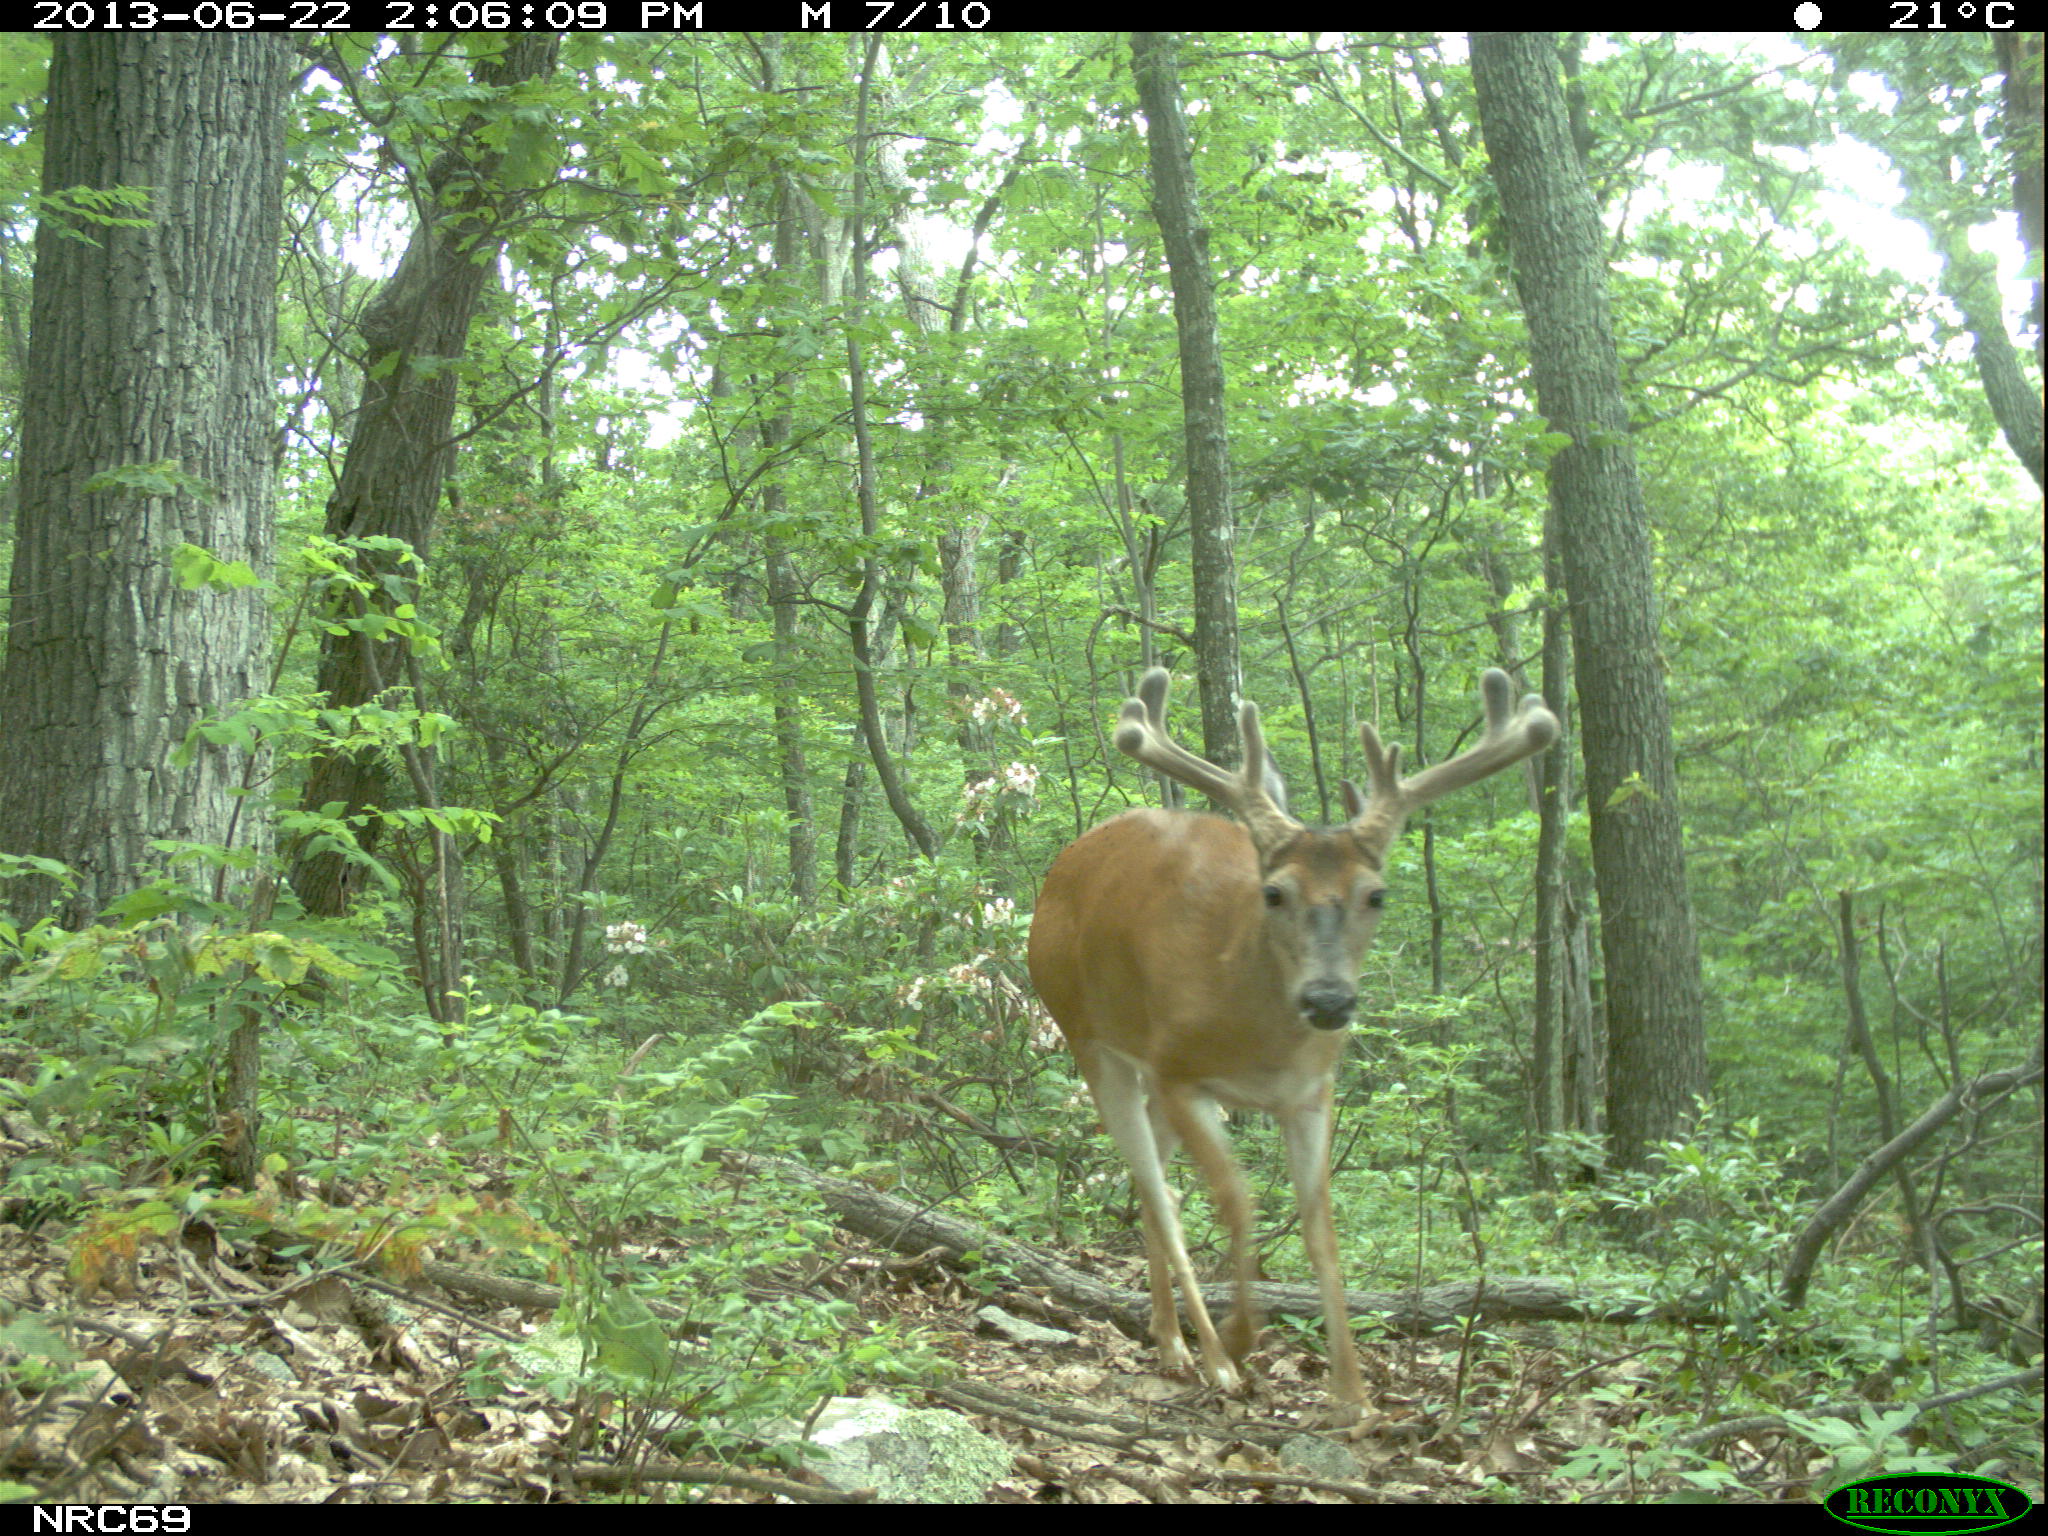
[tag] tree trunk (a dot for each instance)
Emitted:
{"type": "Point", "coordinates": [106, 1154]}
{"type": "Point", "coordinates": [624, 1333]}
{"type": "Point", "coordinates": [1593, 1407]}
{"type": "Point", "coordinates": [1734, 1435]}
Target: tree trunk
{"type": "Point", "coordinates": [1211, 531]}
{"type": "Point", "coordinates": [148, 423]}
{"type": "Point", "coordinates": [860, 618]}
{"type": "Point", "coordinates": [1559, 1057]}
{"type": "Point", "coordinates": [1565, 1060]}
{"type": "Point", "coordinates": [852, 793]}
{"type": "Point", "coordinates": [1657, 1051]}
{"type": "Point", "coordinates": [802, 824]}
{"type": "Point", "coordinates": [1971, 282]}
{"type": "Point", "coordinates": [784, 589]}
{"type": "Point", "coordinates": [2019, 55]}
{"type": "Point", "coordinates": [400, 451]}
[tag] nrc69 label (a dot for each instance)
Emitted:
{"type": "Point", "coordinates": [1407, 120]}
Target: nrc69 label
{"type": "Point", "coordinates": [107, 1519]}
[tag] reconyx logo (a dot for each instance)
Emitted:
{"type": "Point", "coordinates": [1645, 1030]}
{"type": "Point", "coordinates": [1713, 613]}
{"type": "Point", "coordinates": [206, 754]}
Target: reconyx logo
{"type": "Point", "coordinates": [1947, 1502]}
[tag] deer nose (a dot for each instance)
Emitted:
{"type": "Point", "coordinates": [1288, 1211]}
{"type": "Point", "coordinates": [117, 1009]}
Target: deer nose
{"type": "Point", "coordinates": [1328, 1004]}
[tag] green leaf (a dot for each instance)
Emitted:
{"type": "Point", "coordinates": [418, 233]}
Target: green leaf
{"type": "Point", "coordinates": [194, 567]}
{"type": "Point", "coordinates": [629, 1338]}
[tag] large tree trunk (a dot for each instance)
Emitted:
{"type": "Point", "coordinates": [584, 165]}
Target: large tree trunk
{"type": "Point", "coordinates": [1211, 531]}
{"type": "Point", "coordinates": [1971, 282]}
{"type": "Point", "coordinates": [2019, 55]}
{"type": "Point", "coordinates": [399, 453]}
{"type": "Point", "coordinates": [1657, 1053]}
{"type": "Point", "coordinates": [149, 422]}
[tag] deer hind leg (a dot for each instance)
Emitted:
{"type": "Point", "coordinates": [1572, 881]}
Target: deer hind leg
{"type": "Point", "coordinates": [1159, 1244]}
{"type": "Point", "coordinates": [1198, 1123]}
{"type": "Point", "coordinates": [1146, 1135]}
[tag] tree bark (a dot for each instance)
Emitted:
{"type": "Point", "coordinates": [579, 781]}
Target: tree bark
{"type": "Point", "coordinates": [1211, 530]}
{"type": "Point", "coordinates": [861, 617]}
{"type": "Point", "coordinates": [1834, 1211]}
{"type": "Point", "coordinates": [148, 422]}
{"type": "Point", "coordinates": [784, 590]}
{"type": "Point", "coordinates": [2019, 55]}
{"type": "Point", "coordinates": [401, 449]}
{"type": "Point", "coordinates": [790, 761]}
{"type": "Point", "coordinates": [1971, 282]}
{"type": "Point", "coordinates": [1567, 1057]}
{"type": "Point", "coordinates": [1656, 1044]}
{"type": "Point", "coordinates": [919, 1226]}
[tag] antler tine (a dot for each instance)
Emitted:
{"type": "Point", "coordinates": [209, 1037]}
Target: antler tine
{"type": "Point", "coordinates": [1353, 798]}
{"type": "Point", "coordinates": [1512, 733]}
{"type": "Point", "coordinates": [1141, 733]}
{"type": "Point", "coordinates": [1264, 811]}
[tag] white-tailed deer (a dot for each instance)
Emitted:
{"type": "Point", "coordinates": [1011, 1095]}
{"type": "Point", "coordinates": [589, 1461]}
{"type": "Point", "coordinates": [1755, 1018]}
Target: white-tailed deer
{"type": "Point", "coordinates": [1192, 962]}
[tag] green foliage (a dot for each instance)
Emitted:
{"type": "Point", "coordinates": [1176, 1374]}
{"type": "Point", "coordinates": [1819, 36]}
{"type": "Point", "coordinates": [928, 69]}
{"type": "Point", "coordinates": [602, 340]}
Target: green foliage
{"type": "Point", "coordinates": [195, 567]}
{"type": "Point", "coordinates": [167, 477]}
{"type": "Point", "coordinates": [73, 212]}
{"type": "Point", "coordinates": [1872, 1443]}
{"type": "Point", "coordinates": [1716, 1210]}
{"type": "Point", "coordinates": [36, 1359]}
{"type": "Point", "coordinates": [132, 1014]}
{"type": "Point", "coordinates": [623, 663]}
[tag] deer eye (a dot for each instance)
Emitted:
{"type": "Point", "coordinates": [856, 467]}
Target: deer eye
{"type": "Point", "coordinates": [1274, 895]}
{"type": "Point", "coordinates": [1376, 899]}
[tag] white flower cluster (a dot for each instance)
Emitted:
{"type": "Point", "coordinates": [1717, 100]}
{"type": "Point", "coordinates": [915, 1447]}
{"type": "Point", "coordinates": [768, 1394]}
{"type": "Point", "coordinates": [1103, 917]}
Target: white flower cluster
{"type": "Point", "coordinates": [1000, 913]}
{"type": "Point", "coordinates": [966, 977]}
{"type": "Point", "coordinates": [969, 979]}
{"type": "Point", "coordinates": [997, 705]}
{"type": "Point", "coordinates": [979, 797]}
{"type": "Point", "coordinates": [625, 939]}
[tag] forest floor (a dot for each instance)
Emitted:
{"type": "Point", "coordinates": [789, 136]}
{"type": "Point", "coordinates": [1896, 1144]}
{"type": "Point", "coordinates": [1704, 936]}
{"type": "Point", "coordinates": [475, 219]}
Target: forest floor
{"type": "Point", "coordinates": [215, 1370]}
